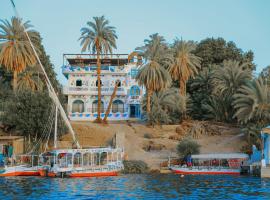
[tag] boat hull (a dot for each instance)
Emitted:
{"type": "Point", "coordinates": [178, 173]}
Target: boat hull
{"type": "Point", "coordinates": [45, 172]}
{"type": "Point", "coordinates": [179, 170]}
{"type": "Point", "coordinates": [20, 171]}
{"type": "Point", "coordinates": [93, 174]}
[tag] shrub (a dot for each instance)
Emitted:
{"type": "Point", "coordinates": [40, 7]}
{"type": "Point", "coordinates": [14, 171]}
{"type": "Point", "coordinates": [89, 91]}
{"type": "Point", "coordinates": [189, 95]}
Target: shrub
{"type": "Point", "coordinates": [135, 167]}
{"type": "Point", "coordinates": [32, 114]}
{"type": "Point", "coordinates": [187, 146]}
{"type": "Point", "coordinates": [147, 136]}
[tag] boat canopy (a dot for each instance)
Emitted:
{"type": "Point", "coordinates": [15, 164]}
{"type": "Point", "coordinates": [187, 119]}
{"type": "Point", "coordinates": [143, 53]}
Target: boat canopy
{"type": "Point", "coordinates": [90, 150]}
{"type": "Point", "coordinates": [220, 156]}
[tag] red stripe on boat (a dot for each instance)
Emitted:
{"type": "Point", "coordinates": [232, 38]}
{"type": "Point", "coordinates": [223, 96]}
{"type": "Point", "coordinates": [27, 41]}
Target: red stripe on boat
{"type": "Point", "coordinates": [95, 174]}
{"type": "Point", "coordinates": [185, 172]}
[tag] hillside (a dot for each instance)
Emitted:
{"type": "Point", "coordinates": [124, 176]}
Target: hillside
{"type": "Point", "coordinates": [154, 145]}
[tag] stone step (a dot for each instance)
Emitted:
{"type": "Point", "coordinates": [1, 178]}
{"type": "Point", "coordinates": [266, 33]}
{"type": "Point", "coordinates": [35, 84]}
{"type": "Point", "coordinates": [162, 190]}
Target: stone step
{"type": "Point", "coordinates": [265, 172]}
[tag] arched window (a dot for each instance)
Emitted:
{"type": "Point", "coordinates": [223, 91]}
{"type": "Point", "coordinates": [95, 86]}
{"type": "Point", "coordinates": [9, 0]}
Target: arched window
{"type": "Point", "coordinates": [134, 90]}
{"type": "Point", "coordinates": [78, 106]}
{"type": "Point", "coordinates": [97, 83]}
{"type": "Point", "coordinates": [78, 83]}
{"type": "Point", "coordinates": [118, 106]}
{"type": "Point", "coordinates": [95, 106]}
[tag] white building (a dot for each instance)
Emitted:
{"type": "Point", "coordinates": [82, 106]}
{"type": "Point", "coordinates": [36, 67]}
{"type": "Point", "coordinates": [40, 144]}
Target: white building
{"type": "Point", "coordinates": [82, 91]}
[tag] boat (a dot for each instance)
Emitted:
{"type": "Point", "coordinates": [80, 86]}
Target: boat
{"type": "Point", "coordinates": [226, 163]}
{"type": "Point", "coordinates": [22, 165]}
{"type": "Point", "coordinates": [90, 162]}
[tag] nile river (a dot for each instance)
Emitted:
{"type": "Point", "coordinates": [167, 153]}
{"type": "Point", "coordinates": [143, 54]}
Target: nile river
{"type": "Point", "coordinates": [136, 187]}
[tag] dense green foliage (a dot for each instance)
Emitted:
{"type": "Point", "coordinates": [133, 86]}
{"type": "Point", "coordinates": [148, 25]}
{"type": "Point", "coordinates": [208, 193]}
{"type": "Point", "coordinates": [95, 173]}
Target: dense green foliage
{"type": "Point", "coordinates": [187, 147]}
{"type": "Point", "coordinates": [220, 84]}
{"type": "Point", "coordinates": [29, 111]}
{"type": "Point", "coordinates": [166, 107]}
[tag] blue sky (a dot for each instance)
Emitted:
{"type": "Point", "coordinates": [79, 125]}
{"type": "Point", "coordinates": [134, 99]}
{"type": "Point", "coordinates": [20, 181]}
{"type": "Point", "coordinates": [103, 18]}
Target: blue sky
{"type": "Point", "coordinates": [246, 22]}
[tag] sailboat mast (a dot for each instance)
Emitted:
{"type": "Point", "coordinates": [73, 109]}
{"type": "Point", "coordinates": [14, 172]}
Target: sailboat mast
{"type": "Point", "coordinates": [50, 87]}
{"type": "Point", "coordinates": [55, 127]}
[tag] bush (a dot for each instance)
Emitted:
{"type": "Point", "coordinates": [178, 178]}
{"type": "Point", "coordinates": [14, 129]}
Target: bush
{"type": "Point", "coordinates": [32, 114]}
{"type": "Point", "coordinates": [187, 147]}
{"type": "Point", "coordinates": [135, 167]}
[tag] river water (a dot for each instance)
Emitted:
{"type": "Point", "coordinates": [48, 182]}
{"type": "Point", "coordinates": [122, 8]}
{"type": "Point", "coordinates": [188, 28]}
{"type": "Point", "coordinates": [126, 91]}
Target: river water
{"type": "Point", "coordinates": [136, 187]}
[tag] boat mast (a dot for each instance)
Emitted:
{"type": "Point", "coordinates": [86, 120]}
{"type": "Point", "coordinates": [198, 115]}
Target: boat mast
{"type": "Point", "coordinates": [55, 127]}
{"type": "Point", "coordinates": [48, 83]}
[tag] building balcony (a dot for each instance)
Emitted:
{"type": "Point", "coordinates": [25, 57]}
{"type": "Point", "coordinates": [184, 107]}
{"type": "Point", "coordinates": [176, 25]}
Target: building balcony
{"type": "Point", "coordinates": [67, 69]}
{"type": "Point", "coordinates": [92, 91]}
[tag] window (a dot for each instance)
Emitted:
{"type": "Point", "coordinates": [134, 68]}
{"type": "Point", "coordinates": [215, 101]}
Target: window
{"type": "Point", "coordinates": [78, 83]}
{"type": "Point", "coordinates": [95, 106]}
{"type": "Point", "coordinates": [118, 106]}
{"type": "Point", "coordinates": [78, 106]}
{"type": "Point", "coordinates": [135, 90]}
{"type": "Point", "coordinates": [97, 83]}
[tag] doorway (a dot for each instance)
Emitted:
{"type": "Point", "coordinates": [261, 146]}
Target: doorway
{"type": "Point", "coordinates": [134, 111]}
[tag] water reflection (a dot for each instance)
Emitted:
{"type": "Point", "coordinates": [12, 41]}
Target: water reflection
{"type": "Point", "coordinates": [136, 187]}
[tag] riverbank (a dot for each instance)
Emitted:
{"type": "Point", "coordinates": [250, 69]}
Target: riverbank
{"type": "Point", "coordinates": [154, 145]}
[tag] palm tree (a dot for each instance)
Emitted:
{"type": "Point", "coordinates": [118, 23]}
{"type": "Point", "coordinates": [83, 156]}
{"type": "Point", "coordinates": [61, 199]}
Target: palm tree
{"type": "Point", "coordinates": [15, 50]}
{"type": "Point", "coordinates": [252, 102]}
{"type": "Point", "coordinates": [153, 75]}
{"type": "Point", "coordinates": [28, 80]}
{"type": "Point", "coordinates": [163, 105]}
{"type": "Point", "coordinates": [185, 65]}
{"type": "Point", "coordinates": [226, 80]}
{"type": "Point", "coordinates": [111, 99]}
{"type": "Point", "coordinates": [230, 76]}
{"type": "Point", "coordinates": [200, 89]}
{"type": "Point", "coordinates": [98, 37]}
{"type": "Point", "coordinates": [217, 107]}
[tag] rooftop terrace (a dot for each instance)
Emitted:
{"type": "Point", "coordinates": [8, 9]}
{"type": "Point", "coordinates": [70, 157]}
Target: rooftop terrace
{"type": "Point", "coordinates": [91, 59]}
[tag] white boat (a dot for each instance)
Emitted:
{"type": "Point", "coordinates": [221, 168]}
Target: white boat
{"type": "Point", "coordinates": [22, 165]}
{"type": "Point", "coordinates": [212, 164]}
{"type": "Point", "coordinates": [92, 162]}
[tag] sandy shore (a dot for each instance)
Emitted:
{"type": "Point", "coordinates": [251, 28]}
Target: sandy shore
{"type": "Point", "coordinates": [138, 137]}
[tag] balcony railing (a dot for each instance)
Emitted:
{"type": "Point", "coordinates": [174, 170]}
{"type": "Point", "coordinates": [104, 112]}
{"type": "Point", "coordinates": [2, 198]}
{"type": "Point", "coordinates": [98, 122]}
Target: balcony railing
{"type": "Point", "coordinates": [107, 89]}
{"type": "Point", "coordinates": [92, 69]}
{"type": "Point", "coordinates": [93, 91]}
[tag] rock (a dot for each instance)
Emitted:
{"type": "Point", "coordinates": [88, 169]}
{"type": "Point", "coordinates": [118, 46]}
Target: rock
{"type": "Point", "coordinates": [151, 146]}
{"type": "Point", "coordinates": [175, 137]}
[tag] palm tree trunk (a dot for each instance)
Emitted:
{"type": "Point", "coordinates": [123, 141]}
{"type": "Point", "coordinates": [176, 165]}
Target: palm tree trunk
{"type": "Point", "coordinates": [15, 80]}
{"type": "Point", "coordinates": [148, 107]}
{"type": "Point", "coordinates": [182, 87]}
{"type": "Point", "coordinates": [110, 103]}
{"type": "Point", "coordinates": [98, 120]}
